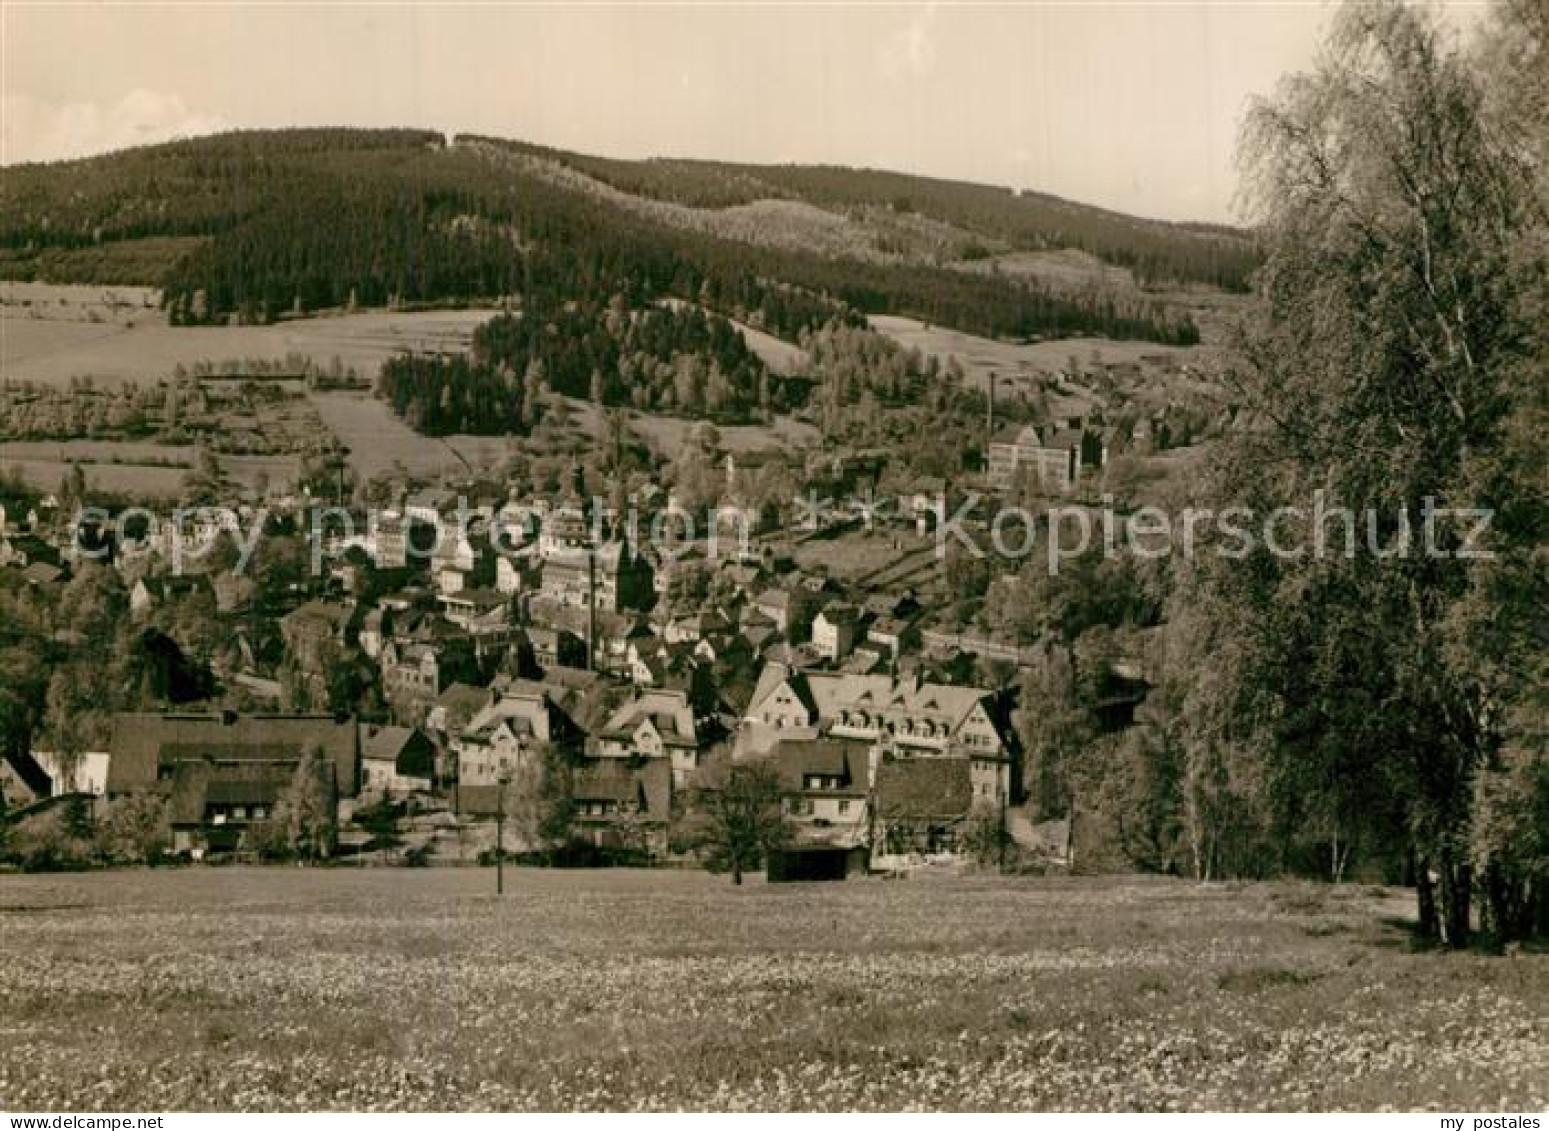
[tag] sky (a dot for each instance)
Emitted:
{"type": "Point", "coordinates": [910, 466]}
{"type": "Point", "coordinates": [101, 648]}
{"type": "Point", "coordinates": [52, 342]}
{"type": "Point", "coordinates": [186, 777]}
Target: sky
{"type": "Point", "coordinates": [1133, 106]}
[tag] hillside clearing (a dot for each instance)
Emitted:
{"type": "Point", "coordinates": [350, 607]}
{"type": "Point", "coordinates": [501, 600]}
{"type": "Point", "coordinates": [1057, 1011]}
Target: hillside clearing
{"type": "Point", "coordinates": [1014, 364]}
{"type": "Point", "coordinates": [49, 344]}
{"type": "Point", "coordinates": [377, 439]}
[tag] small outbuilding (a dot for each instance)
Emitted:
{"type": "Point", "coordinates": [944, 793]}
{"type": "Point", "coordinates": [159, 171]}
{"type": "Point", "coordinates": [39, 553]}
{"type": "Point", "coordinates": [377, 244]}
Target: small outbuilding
{"type": "Point", "coordinates": [811, 862]}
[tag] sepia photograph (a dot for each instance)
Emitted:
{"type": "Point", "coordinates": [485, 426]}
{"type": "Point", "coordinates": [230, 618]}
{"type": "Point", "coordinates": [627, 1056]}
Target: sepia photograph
{"type": "Point", "coordinates": [774, 557]}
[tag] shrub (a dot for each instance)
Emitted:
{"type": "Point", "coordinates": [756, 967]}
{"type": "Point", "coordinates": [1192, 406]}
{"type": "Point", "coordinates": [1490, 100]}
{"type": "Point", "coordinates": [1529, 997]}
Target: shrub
{"type": "Point", "coordinates": [134, 829]}
{"type": "Point", "coordinates": [47, 842]}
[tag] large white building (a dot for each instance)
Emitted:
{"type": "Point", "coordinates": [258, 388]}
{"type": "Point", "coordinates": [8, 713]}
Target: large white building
{"type": "Point", "coordinates": [899, 720]}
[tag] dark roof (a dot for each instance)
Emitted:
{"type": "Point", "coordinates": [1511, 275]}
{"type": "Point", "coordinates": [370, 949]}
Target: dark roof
{"type": "Point", "coordinates": [800, 758]}
{"type": "Point", "coordinates": [411, 753]}
{"type": "Point", "coordinates": [650, 784]}
{"type": "Point", "coordinates": [924, 789]}
{"type": "Point", "coordinates": [29, 772]}
{"type": "Point", "coordinates": [196, 785]}
{"type": "Point", "coordinates": [142, 742]}
{"type": "Point", "coordinates": [605, 784]}
{"type": "Point", "coordinates": [463, 698]}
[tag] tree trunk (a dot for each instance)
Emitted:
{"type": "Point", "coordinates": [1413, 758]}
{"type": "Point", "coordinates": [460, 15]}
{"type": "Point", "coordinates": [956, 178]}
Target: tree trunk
{"type": "Point", "coordinates": [736, 872]}
{"type": "Point", "coordinates": [1497, 913]}
{"type": "Point", "coordinates": [1429, 924]}
{"type": "Point", "coordinates": [1511, 907]}
{"type": "Point", "coordinates": [1456, 890]}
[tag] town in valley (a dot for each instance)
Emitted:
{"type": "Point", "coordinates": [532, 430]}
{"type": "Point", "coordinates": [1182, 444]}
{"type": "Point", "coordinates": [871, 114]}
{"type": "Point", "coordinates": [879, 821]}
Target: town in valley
{"type": "Point", "coordinates": [774, 558]}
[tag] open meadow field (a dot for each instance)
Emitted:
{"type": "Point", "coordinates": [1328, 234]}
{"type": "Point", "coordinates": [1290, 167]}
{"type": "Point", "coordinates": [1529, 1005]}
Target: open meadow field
{"type": "Point", "coordinates": [1015, 365]}
{"type": "Point", "coordinates": [50, 343]}
{"type": "Point", "coordinates": [854, 555]}
{"type": "Point", "coordinates": [300, 989]}
{"type": "Point", "coordinates": [377, 439]}
{"type": "Point", "coordinates": [666, 434]}
{"type": "Point", "coordinates": [45, 472]}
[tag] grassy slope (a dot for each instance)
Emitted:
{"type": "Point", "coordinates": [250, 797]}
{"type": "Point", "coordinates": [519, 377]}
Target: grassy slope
{"type": "Point", "coordinates": [394, 989]}
{"type": "Point", "coordinates": [142, 347]}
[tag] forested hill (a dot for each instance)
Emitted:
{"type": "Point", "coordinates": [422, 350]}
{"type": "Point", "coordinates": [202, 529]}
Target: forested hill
{"type": "Point", "coordinates": [263, 224]}
{"type": "Point", "coordinates": [992, 217]}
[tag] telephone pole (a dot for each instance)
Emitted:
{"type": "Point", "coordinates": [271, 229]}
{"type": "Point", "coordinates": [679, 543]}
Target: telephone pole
{"type": "Point", "coordinates": [500, 832]}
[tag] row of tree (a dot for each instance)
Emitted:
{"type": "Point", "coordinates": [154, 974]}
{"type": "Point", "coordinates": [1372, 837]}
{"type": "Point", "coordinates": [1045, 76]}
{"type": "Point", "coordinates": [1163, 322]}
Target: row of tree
{"type": "Point", "coordinates": [1386, 705]}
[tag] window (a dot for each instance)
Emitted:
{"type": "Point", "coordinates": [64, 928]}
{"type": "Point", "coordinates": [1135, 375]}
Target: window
{"type": "Point", "coordinates": [844, 807]}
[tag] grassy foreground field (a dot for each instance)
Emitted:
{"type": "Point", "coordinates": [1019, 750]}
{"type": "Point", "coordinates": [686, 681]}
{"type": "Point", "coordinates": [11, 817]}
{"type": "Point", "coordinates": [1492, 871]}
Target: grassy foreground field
{"type": "Point", "coordinates": [300, 989]}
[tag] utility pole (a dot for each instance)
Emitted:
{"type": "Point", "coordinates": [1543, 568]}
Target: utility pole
{"type": "Point", "coordinates": [1003, 788]}
{"type": "Point", "coordinates": [500, 832]}
{"type": "Point", "coordinates": [989, 413]}
{"type": "Point", "coordinates": [591, 607]}
{"type": "Point", "coordinates": [989, 425]}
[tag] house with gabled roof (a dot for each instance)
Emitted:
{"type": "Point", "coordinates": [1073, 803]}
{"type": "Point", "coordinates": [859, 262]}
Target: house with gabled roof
{"type": "Point", "coordinates": [610, 577]}
{"type": "Point", "coordinates": [454, 709]}
{"type": "Point", "coordinates": [397, 760]}
{"type": "Point", "coordinates": [921, 804]}
{"type": "Point", "coordinates": [145, 745]}
{"type": "Point", "coordinates": [309, 628]}
{"type": "Point", "coordinates": [618, 805]}
{"type": "Point", "coordinates": [508, 735]}
{"type": "Point", "coordinates": [836, 629]}
{"type": "Point", "coordinates": [556, 648]}
{"type": "Point", "coordinates": [1054, 455]}
{"type": "Point", "coordinates": [825, 785]}
{"type": "Point", "coordinates": [900, 717]}
{"type": "Point", "coordinates": [657, 724]}
{"type": "Point", "coordinates": [791, 607]}
{"type": "Point", "coordinates": [696, 626]}
{"type": "Point", "coordinates": [224, 772]}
